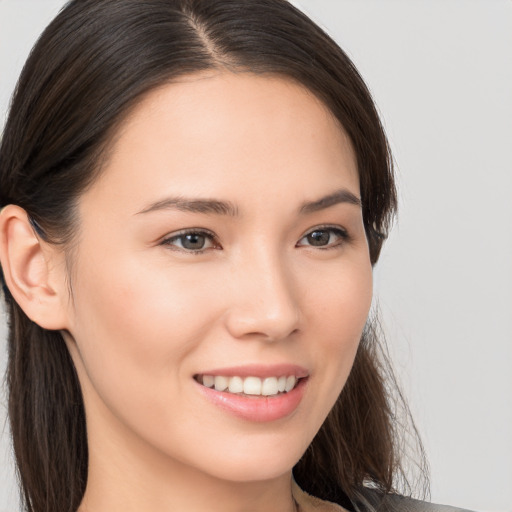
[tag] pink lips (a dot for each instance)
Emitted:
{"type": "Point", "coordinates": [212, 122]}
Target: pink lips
{"type": "Point", "coordinates": [258, 408]}
{"type": "Point", "coordinates": [259, 370]}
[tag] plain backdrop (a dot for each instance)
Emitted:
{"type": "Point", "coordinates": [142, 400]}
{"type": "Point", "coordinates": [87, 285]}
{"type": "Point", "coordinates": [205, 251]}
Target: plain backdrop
{"type": "Point", "coordinates": [441, 74]}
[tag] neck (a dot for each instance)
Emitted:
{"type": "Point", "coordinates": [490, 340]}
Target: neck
{"type": "Point", "coordinates": [134, 477]}
{"type": "Point", "coordinates": [182, 491]}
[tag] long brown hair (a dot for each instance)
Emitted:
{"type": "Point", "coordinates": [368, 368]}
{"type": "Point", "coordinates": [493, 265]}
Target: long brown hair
{"type": "Point", "coordinates": [89, 68]}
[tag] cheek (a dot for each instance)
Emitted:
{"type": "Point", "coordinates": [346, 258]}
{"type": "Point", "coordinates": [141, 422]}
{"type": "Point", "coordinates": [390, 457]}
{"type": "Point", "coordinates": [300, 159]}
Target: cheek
{"type": "Point", "coordinates": [134, 327]}
{"type": "Point", "coordinates": [338, 300]}
{"type": "Point", "coordinates": [136, 331]}
{"type": "Point", "coordinates": [139, 305]}
{"type": "Point", "coordinates": [338, 313]}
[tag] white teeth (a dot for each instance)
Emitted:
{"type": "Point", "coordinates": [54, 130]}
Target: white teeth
{"type": "Point", "coordinates": [221, 383]}
{"type": "Point", "coordinates": [236, 385]}
{"type": "Point", "coordinates": [208, 381]}
{"type": "Point", "coordinates": [290, 383]}
{"type": "Point", "coordinates": [252, 386]}
{"type": "Point", "coordinates": [270, 386]}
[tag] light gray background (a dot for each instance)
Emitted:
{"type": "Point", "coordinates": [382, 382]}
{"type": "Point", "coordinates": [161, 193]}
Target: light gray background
{"type": "Point", "coordinates": [441, 74]}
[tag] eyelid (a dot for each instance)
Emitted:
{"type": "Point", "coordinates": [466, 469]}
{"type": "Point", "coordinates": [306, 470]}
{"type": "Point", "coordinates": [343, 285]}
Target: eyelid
{"type": "Point", "coordinates": [338, 230]}
{"type": "Point", "coordinates": [171, 237]}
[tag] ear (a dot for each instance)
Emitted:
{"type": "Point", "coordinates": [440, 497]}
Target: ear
{"type": "Point", "coordinates": [34, 270]}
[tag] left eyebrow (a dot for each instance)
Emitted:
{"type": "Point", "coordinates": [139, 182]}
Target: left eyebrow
{"type": "Point", "coordinates": [206, 206]}
{"type": "Point", "coordinates": [340, 196]}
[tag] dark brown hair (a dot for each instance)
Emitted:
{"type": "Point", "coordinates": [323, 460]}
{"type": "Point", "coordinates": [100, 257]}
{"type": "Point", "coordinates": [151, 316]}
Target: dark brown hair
{"type": "Point", "coordinates": [90, 67]}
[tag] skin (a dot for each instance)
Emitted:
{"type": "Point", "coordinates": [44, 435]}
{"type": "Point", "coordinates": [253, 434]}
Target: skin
{"type": "Point", "coordinates": [146, 314]}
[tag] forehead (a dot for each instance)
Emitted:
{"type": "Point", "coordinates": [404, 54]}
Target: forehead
{"type": "Point", "coordinates": [215, 131]}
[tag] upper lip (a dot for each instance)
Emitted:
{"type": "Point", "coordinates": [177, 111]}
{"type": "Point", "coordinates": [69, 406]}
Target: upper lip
{"type": "Point", "coordinates": [259, 370]}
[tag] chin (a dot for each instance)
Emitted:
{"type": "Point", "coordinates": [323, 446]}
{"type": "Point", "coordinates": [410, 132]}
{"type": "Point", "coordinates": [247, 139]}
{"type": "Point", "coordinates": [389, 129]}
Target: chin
{"type": "Point", "coordinates": [258, 461]}
{"type": "Point", "coordinates": [248, 471]}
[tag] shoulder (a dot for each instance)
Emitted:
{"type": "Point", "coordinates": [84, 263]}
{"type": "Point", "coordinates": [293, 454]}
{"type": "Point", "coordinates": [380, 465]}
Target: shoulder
{"type": "Point", "coordinates": [372, 501]}
{"type": "Point", "coordinates": [368, 500]}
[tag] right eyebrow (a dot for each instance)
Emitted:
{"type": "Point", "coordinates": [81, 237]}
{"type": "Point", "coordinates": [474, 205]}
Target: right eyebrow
{"type": "Point", "coordinates": [207, 206]}
{"type": "Point", "coordinates": [339, 196]}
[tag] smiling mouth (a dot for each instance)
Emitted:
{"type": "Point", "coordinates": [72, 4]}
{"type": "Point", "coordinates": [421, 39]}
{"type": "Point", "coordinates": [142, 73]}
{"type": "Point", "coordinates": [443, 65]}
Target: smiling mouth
{"type": "Point", "coordinates": [250, 386]}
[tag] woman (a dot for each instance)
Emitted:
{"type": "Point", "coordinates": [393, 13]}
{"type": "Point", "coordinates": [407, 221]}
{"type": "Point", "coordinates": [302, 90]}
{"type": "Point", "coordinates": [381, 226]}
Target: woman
{"type": "Point", "coordinates": [194, 194]}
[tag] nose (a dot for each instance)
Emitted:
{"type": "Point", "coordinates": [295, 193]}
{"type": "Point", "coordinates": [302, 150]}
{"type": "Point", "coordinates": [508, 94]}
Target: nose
{"type": "Point", "coordinates": [264, 301]}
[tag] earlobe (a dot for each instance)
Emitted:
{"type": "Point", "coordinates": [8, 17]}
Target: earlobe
{"type": "Point", "coordinates": [30, 269]}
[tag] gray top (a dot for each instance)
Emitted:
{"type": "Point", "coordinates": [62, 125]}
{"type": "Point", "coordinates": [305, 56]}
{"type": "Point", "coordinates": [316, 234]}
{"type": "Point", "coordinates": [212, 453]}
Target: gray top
{"type": "Point", "coordinates": [369, 500]}
{"type": "Point", "coordinates": [374, 502]}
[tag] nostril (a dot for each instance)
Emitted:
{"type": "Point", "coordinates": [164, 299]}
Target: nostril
{"type": "Point", "coordinates": [262, 322]}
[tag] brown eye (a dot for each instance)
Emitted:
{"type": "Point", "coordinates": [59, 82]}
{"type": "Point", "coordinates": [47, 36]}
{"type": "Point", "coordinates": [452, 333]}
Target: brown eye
{"type": "Point", "coordinates": [324, 237]}
{"type": "Point", "coordinates": [191, 241]}
{"type": "Point", "coordinates": [319, 238]}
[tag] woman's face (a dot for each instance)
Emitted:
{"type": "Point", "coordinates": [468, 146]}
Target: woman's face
{"type": "Point", "coordinates": [223, 245]}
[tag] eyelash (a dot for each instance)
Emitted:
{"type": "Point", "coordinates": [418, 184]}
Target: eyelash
{"type": "Point", "coordinates": [336, 230]}
{"type": "Point", "coordinates": [182, 234]}
{"type": "Point", "coordinates": [343, 235]}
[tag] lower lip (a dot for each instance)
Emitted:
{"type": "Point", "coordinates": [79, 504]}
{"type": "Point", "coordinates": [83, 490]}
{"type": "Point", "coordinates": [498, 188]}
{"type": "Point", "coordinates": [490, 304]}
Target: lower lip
{"type": "Point", "coordinates": [257, 408]}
